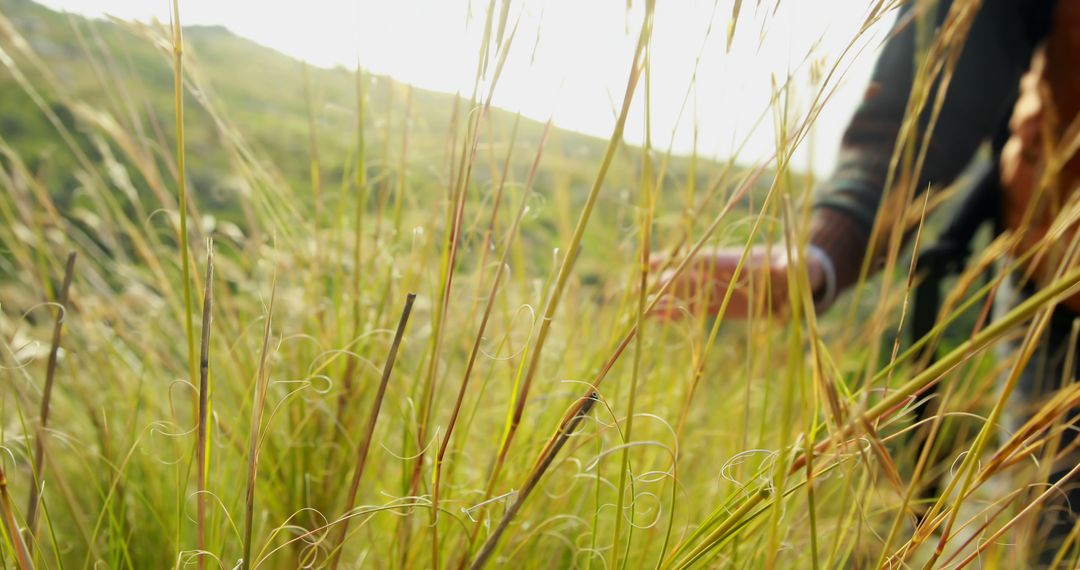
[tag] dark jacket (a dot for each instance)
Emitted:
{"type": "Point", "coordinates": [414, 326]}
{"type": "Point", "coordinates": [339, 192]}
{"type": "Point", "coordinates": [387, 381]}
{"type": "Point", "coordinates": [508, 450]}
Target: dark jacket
{"type": "Point", "coordinates": [978, 102]}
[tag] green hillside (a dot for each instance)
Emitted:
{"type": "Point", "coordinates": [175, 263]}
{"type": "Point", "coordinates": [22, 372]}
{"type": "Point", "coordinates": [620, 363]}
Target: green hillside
{"type": "Point", "coordinates": [90, 72]}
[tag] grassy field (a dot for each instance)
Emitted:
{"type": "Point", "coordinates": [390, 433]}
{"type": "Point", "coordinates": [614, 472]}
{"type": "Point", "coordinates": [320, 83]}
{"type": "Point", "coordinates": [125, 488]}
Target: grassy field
{"type": "Point", "coordinates": [212, 354]}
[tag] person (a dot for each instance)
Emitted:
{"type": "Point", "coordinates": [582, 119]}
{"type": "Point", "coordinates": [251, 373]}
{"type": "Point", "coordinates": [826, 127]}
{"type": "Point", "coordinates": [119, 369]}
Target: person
{"type": "Point", "coordinates": [1015, 87]}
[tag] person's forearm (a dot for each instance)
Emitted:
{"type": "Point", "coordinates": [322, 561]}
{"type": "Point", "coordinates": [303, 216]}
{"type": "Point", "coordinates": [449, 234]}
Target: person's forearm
{"type": "Point", "coordinates": [843, 240]}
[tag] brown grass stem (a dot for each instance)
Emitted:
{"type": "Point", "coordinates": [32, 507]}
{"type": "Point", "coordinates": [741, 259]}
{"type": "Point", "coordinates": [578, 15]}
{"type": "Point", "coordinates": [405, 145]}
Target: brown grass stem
{"type": "Point", "coordinates": [262, 380]}
{"type": "Point", "coordinates": [474, 352]}
{"type": "Point", "coordinates": [373, 418]}
{"type": "Point", "coordinates": [46, 398]}
{"type": "Point", "coordinates": [488, 549]}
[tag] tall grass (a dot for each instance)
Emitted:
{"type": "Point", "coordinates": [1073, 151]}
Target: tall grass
{"type": "Point", "coordinates": [376, 407]}
{"type": "Point", "coordinates": [535, 413]}
{"type": "Point", "coordinates": [46, 397]}
{"type": "Point", "coordinates": [202, 435]}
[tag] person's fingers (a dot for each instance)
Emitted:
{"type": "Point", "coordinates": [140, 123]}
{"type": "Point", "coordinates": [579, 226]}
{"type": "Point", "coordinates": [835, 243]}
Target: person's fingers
{"type": "Point", "coordinates": [708, 279]}
{"type": "Point", "coordinates": [658, 261]}
{"type": "Point", "coordinates": [705, 259]}
{"type": "Point", "coordinates": [667, 309]}
{"type": "Point", "coordinates": [778, 283]}
{"type": "Point", "coordinates": [682, 293]}
{"type": "Point", "coordinates": [666, 277]}
{"type": "Point", "coordinates": [666, 306]}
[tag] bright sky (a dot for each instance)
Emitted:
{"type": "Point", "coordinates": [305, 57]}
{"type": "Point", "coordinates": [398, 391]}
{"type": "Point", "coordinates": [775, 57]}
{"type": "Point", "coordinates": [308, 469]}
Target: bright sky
{"type": "Point", "coordinates": [570, 58]}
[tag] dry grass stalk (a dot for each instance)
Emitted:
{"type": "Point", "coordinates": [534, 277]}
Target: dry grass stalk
{"type": "Point", "coordinates": [262, 379]}
{"type": "Point", "coordinates": [373, 418]}
{"type": "Point", "coordinates": [46, 399]}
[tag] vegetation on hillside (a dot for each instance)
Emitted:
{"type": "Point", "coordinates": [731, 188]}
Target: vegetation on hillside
{"type": "Point", "coordinates": [238, 374]}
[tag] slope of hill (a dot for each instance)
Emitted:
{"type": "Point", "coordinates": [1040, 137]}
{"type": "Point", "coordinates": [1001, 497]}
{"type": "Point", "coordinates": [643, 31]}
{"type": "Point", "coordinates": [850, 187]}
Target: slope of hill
{"type": "Point", "coordinates": [89, 71]}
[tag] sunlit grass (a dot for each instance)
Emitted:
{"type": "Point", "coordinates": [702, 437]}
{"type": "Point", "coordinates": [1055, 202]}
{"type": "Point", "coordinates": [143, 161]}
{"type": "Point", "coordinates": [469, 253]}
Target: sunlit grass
{"type": "Point", "coordinates": [532, 410]}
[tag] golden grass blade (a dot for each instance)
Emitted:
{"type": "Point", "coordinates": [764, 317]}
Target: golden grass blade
{"type": "Point", "coordinates": [202, 436]}
{"type": "Point", "coordinates": [262, 379]}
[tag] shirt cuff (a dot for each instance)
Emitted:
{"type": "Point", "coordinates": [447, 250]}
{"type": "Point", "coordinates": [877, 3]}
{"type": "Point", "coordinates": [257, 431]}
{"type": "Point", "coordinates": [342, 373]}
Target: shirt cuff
{"type": "Point", "coordinates": [840, 243]}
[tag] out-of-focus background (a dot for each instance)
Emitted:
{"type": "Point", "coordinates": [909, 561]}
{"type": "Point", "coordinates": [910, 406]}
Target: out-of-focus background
{"type": "Point", "coordinates": [571, 58]}
{"type": "Point", "coordinates": [212, 229]}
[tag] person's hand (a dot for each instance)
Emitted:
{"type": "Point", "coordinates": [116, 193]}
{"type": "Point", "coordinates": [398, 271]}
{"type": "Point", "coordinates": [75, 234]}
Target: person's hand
{"type": "Point", "coordinates": [705, 280]}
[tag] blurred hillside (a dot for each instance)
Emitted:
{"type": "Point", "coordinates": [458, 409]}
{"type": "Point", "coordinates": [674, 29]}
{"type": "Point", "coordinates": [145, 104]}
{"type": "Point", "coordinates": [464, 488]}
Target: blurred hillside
{"type": "Point", "coordinates": [108, 80]}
